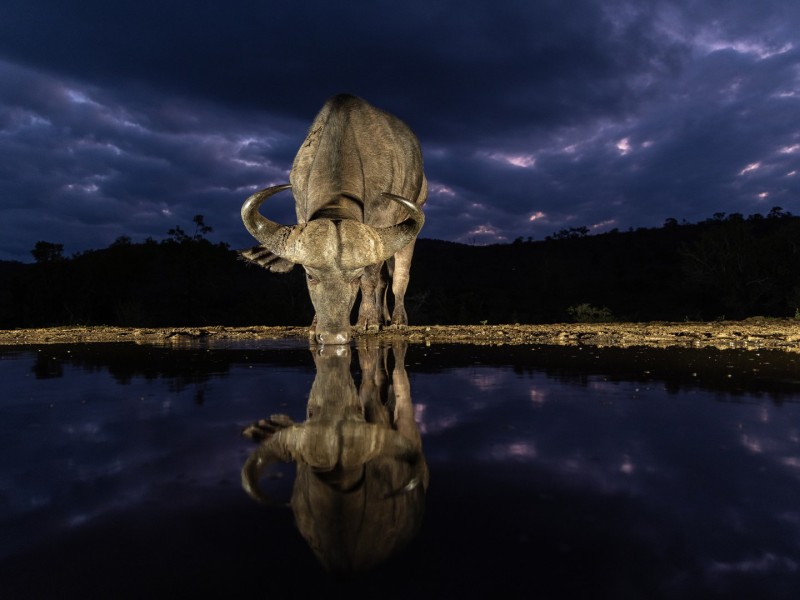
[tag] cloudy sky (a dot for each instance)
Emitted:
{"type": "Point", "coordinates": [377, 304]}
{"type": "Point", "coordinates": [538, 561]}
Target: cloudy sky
{"type": "Point", "coordinates": [130, 117]}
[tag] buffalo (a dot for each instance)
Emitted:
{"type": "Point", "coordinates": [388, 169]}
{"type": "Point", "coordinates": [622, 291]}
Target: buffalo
{"type": "Point", "coordinates": [359, 187]}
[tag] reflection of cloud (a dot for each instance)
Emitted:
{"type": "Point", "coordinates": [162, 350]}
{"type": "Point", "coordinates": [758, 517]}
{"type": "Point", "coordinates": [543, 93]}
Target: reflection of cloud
{"type": "Point", "coordinates": [487, 381]}
{"type": "Point", "coordinates": [537, 396]}
{"type": "Point", "coordinates": [791, 461]}
{"type": "Point", "coordinates": [601, 386]}
{"type": "Point", "coordinates": [751, 443]}
{"type": "Point", "coordinates": [792, 517]}
{"type": "Point", "coordinates": [627, 465]}
{"type": "Point", "coordinates": [779, 449]}
{"type": "Point", "coordinates": [419, 413]}
{"type": "Point", "coordinates": [87, 431]}
{"type": "Point", "coordinates": [514, 450]}
{"type": "Point", "coordinates": [428, 424]}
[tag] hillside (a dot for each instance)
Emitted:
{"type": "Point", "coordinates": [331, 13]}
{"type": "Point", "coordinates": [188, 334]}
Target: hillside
{"type": "Point", "coordinates": [722, 268]}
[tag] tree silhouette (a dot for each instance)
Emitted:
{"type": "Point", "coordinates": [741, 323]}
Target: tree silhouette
{"type": "Point", "coordinates": [201, 229]}
{"type": "Point", "coordinates": [47, 252]}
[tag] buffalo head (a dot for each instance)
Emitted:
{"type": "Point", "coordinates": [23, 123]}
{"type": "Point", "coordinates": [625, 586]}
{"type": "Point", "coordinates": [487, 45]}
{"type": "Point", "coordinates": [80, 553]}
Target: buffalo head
{"type": "Point", "coordinates": [334, 254]}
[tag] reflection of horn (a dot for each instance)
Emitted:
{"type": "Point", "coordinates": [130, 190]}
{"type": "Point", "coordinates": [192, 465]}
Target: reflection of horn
{"type": "Point", "coordinates": [253, 469]}
{"type": "Point", "coordinates": [418, 477]}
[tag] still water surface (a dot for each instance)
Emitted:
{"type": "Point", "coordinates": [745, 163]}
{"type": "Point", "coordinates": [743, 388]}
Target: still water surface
{"type": "Point", "coordinates": [552, 471]}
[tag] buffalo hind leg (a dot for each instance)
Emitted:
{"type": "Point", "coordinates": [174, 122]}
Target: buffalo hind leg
{"type": "Point", "coordinates": [382, 291]}
{"type": "Point", "coordinates": [402, 267]}
{"type": "Point", "coordinates": [312, 330]}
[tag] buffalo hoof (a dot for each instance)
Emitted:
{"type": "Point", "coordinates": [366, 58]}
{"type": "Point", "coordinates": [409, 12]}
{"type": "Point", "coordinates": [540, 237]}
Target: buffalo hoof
{"type": "Point", "coordinates": [367, 326]}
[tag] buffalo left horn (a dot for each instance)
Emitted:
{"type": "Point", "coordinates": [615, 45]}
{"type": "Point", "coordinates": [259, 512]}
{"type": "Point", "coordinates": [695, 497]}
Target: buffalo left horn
{"type": "Point", "coordinates": [273, 236]}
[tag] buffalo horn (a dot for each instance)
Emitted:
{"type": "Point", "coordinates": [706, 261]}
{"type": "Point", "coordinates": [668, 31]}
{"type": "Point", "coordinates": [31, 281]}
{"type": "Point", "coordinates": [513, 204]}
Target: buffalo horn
{"type": "Point", "coordinates": [270, 234]}
{"type": "Point", "coordinates": [398, 236]}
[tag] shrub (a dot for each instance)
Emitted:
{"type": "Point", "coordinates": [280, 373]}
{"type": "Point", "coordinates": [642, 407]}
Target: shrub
{"type": "Point", "coordinates": [586, 313]}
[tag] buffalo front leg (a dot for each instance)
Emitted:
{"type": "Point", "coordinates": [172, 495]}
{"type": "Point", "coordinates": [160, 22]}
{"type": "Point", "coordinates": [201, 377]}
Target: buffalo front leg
{"type": "Point", "coordinates": [402, 267]}
{"type": "Point", "coordinates": [369, 313]}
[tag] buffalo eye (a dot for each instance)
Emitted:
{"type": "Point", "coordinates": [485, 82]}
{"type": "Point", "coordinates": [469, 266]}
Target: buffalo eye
{"type": "Point", "coordinates": [311, 279]}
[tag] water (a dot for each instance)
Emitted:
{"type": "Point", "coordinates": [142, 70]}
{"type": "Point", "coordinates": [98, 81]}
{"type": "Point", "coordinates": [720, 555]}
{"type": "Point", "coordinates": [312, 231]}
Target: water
{"type": "Point", "coordinates": [551, 471]}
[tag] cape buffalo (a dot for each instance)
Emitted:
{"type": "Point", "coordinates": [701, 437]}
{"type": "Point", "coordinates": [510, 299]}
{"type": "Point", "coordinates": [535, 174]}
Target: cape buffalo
{"type": "Point", "coordinates": [359, 187]}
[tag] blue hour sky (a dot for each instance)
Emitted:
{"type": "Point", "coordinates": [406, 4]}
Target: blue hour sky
{"type": "Point", "coordinates": [130, 117]}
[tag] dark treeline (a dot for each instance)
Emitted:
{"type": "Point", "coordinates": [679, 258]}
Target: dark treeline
{"type": "Point", "coordinates": [728, 266]}
{"type": "Point", "coordinates": [182, 281]}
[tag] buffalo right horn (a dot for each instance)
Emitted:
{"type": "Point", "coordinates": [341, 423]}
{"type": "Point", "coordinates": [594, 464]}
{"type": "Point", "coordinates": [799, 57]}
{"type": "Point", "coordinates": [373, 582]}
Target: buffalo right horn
{"type": "Point", "coordinates": [398, 236]}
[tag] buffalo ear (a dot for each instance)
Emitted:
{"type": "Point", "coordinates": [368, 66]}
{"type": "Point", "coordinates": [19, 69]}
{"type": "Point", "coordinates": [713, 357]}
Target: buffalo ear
{"type": "Point", "coordinates": [262, 257]}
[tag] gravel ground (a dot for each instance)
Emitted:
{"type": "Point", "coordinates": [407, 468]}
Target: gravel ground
{"type": "Point", "coordinates": [753, 334]}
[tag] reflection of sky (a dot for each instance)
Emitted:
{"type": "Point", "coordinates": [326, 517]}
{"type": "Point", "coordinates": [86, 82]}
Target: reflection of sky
{"type": "Point", "coordinates": [79, 445]}
{"type": "Point", "coordinates": [595, 422]}
{"type": "Point", "coordinates": [711, 466]}
{"type": "Point", "coordinates": [722, 472]}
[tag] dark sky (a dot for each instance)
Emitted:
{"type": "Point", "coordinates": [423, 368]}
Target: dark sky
{"type": "Point", "coordinates": [130, 117]}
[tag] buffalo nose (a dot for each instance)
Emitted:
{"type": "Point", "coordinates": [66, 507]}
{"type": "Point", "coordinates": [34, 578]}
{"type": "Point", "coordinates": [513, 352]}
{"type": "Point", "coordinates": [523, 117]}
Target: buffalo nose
{"type": "Point", "coordinates": [326, 337]}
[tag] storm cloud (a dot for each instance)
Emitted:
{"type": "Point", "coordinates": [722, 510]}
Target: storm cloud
{"type": "Point", "coordinates": [128, 118]}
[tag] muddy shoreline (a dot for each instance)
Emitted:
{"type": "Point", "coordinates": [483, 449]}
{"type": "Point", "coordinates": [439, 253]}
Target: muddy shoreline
{"type": "Point", "coordinates": [751, 334]}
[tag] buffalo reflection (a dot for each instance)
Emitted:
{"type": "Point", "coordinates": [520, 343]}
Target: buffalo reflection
{"type": "Point", "coordinates": [359, 491]}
